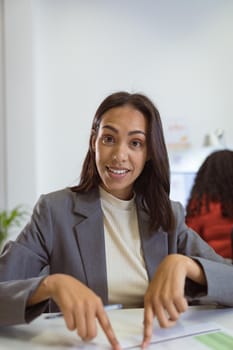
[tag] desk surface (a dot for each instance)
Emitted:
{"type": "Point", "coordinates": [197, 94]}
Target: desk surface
{"type": "Point", "coordinates": [51, 334]}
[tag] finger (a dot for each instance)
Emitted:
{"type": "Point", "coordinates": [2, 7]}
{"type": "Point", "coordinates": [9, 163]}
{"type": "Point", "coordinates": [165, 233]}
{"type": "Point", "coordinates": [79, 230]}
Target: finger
{"type": "Point", "coordinates": [69, 320]}
{"type": "Point", "coordinates": [80, 321]}
{"type": "Point", "coordinates": [91, 323]}
{"type": "Point", "coordinates": [171, 311]}
{"type": "Point", "coordinates": [163, 317]}
{"type": "Point", "coordinates": [181, 305]}
{"type": "Point", "coordinates": [148, 326]}
{"type": "Point", "coordinates": [107, 328]}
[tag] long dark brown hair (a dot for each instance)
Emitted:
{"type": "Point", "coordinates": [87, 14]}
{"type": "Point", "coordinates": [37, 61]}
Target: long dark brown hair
{"type": "Point", "coordinates": [153, 184]}
{"type": "Point", "coordinates": [213, 183]}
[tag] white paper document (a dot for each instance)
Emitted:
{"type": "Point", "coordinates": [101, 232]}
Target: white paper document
{"type": "Point", "coordinates": [171, 334]}
{"type": "Point", "coordinates": [51, 333]}
{"type": "Point", "coordinates": [128, 327]}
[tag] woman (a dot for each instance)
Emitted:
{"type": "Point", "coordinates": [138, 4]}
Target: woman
{"type": "Point", "coordinates": [114, 238]}
{"type": "Point", "coordinates": [210, 205]}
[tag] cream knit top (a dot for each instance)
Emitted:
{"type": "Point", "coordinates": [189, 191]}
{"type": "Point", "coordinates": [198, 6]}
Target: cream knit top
{"type": "Point", "coordinates": [126, 273]}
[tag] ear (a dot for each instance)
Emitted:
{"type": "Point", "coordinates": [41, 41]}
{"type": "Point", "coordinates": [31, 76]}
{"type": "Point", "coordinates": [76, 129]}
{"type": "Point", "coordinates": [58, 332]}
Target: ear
{"type": "Point", "coordinates": [93, 140]}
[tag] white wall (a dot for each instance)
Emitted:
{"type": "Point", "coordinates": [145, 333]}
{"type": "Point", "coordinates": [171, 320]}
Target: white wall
{"type": "Point", "coordinates": [19, 103]}
{"type": "Point", "coordinates": [2, 117]}
{"type": "Point", "coordinates": [74, 52]}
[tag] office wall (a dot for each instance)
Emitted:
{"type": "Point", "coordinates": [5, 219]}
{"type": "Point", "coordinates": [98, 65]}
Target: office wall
{"type": "Point", "coordinates": [19, 113]}
{"type": "Point", "coordinates": [2, 120]}
{"type": "Point", "coordinates": [177, 52]}
{"type": "Point", "coordinates": [73, 53]}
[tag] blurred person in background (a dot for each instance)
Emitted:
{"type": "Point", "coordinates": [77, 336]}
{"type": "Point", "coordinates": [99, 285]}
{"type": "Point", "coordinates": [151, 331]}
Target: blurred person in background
{"type": "Point", "coordinates": [209, 209]}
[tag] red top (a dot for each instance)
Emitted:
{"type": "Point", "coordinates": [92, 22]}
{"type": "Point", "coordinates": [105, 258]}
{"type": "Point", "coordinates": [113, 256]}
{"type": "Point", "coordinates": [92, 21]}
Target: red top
{"type": "Point", "coordinates": [214, 229]}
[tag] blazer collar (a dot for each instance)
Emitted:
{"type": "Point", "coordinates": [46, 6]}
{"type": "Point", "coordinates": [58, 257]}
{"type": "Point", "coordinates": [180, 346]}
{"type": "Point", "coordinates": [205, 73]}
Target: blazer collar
{"type": "Point", "coordinates": [90, 235]}
{"type": "Point", "coordinates": [89, 231]}
{"type": "Point", "coordinates": [87, 203]}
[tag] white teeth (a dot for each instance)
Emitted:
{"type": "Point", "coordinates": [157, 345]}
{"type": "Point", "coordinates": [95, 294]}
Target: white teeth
{"type": "Point", "coordinates": [118, 171]}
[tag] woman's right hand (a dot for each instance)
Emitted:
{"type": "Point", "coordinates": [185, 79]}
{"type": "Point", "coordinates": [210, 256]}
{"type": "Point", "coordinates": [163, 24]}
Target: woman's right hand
{"type": "Point", "coordinates": [79, 305]}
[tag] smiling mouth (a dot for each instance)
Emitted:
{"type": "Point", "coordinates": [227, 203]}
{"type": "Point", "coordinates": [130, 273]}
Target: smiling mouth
{"type": "Point", "coordinates": [117, 171]}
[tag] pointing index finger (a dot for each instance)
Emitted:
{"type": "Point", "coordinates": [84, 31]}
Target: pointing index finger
{"type": "Point", "coordinates": [148, 326]}
{"type": "Point", "coordinates": [108, 330]}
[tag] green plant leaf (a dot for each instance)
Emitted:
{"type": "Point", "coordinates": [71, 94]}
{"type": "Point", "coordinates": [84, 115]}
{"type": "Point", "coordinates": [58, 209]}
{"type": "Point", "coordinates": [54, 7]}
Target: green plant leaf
{"type": "Point", "coordinates": [9, 219]}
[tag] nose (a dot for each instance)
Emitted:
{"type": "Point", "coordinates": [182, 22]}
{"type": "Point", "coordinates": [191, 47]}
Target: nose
{"type": "Point", "coordinates": [120, 154]}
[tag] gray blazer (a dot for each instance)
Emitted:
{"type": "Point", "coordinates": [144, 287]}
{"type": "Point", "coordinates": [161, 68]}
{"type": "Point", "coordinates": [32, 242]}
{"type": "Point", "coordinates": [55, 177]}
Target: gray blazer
{"type": "Point", "coordinates": [66, 234]}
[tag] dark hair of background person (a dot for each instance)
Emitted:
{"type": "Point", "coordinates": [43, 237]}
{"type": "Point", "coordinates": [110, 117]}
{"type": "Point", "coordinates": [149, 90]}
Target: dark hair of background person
{"type": "Point", "coordinates": [153, 184]}
{"type": "Point", "coordinates": [213, 183]}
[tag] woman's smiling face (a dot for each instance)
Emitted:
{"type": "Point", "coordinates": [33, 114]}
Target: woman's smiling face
{"type": "Point", "coordinates": [120, 147]}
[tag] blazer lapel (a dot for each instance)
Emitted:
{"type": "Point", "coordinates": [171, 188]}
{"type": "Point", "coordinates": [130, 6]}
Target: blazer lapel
{"type": "Point", "coordinates": [90, 238]}
{"type": "Point", "coordinates": [154, 243]}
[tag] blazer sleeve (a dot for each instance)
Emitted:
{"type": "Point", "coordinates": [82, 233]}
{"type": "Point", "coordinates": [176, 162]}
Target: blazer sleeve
{"type": "Point", "coordinates": [13, 298]}
{"type": "Point", "coordinates": [22, 266]}
{"type": "Point", "coordinates": [218, 271]}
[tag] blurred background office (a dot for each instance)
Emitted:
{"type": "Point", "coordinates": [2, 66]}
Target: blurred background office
{"type": "Point", "coordinates": [59, 58]}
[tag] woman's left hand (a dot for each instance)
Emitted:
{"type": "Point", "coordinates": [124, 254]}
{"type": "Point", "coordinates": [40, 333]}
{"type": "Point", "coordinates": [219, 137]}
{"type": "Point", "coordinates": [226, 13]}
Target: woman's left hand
{"type": "Point", "coordinates": [165, 297]}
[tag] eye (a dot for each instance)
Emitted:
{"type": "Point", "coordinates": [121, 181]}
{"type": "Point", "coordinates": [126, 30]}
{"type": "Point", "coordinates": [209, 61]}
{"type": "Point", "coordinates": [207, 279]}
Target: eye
{"type": "Point", "coordinates": [136, 143]}
{"type": "Point", "coordinates": [107, 139]}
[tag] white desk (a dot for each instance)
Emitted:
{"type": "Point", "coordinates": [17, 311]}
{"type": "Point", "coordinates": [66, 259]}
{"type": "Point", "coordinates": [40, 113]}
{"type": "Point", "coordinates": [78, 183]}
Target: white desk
{"type": "Point", "coordinates": [51, 334]}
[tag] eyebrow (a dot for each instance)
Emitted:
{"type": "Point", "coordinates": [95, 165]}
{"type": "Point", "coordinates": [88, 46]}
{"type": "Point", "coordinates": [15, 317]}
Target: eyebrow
{"type": "Point", "coordinates": [133, 132]}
